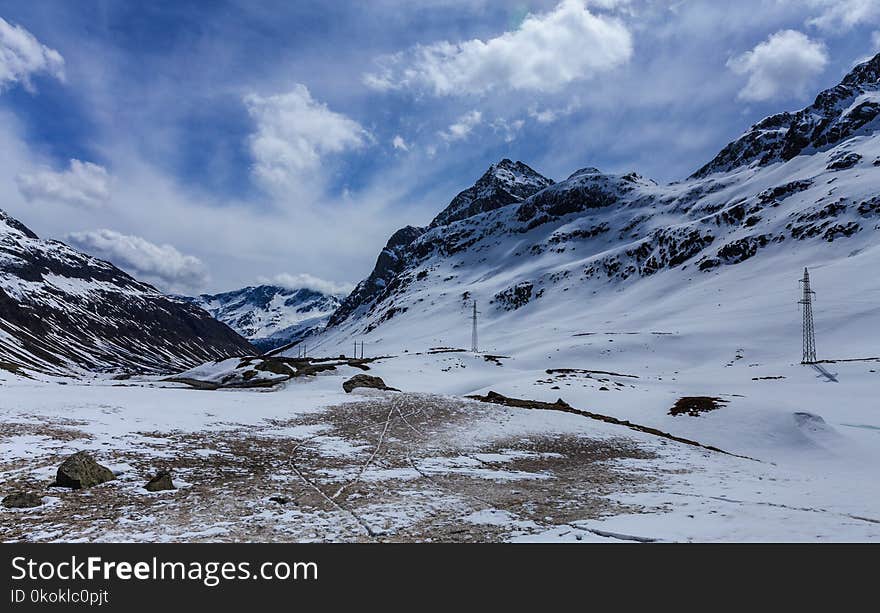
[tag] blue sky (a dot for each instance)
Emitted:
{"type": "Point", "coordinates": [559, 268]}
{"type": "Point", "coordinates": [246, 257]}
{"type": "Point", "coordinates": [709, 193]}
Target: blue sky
{"type": "Point", "coordinates": [210, 145]}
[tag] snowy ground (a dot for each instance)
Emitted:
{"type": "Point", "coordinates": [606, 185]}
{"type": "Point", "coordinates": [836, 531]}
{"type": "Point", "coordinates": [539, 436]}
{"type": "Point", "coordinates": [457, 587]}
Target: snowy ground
{"type": "Point", "coordinates": [430, 465]}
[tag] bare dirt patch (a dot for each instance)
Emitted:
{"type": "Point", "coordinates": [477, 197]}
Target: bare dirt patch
{"type": "Point", "coordinates": [694, 406]}
{"type": "Point", "coordinates": [390, 468]}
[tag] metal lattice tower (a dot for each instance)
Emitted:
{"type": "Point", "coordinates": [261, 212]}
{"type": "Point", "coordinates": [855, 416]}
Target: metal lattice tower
{"type": "Point", "coordinates": [809, 330]}
{"type": "Point", "coordinates": [475, 347]}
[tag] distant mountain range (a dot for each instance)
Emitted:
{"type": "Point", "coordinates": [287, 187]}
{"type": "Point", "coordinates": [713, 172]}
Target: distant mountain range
{"type": "Point", "coordinates": [270, 316]}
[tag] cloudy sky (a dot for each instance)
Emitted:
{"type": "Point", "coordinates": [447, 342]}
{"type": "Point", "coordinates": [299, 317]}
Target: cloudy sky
{"type": "Point", "coordinates": [211, 145]}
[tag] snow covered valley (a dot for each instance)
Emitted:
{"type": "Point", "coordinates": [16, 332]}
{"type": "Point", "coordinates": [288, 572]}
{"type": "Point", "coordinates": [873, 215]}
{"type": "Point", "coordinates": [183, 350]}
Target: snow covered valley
{"type": "Point", "coordinates": [305, 462]}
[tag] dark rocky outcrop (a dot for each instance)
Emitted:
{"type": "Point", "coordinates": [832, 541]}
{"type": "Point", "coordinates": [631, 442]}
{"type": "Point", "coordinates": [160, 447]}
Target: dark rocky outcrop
{"type": "Point", "coordinates": [870, 208]}
{"type": "Point", "coordinates": [81, 471]}
{"type": "Point", "coordinates": [781, 192]}
{"type": "Point", "coordinates": [514, 297]}
{"type": "Point", "coordinates": [827, 122]}
{"type": "Point", "coordinates": [844, 161]}
{"type": "Point", "coordinates": [390, 263]}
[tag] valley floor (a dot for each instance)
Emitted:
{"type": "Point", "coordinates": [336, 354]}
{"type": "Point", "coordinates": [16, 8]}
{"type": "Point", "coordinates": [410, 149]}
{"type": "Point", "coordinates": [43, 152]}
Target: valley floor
{"type": "Point", "coordinates": [307, 462]}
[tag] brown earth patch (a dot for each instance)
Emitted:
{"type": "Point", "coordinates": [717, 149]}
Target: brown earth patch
{"type": "Point", "coordinates": [382, 469]}
{"type": "Point", "coordinates": [694, 406]}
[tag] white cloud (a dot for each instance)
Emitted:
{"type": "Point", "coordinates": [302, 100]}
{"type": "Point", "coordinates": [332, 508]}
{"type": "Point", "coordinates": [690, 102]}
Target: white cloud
{"type": "Point", "coordinates": [463, 126]}
{"type": "Point", "coordinates": [842, 15]}
{"type": "Point", "coordinates": [550, 115]}
{"type": "Point", "coordinates": [161, 265]}
{"type": "Point", "coordinates": [293, 133]}
{"type": "Point", "coordinates": [307, 281]}
{"type": "Point", "coordinates": [399, 143]}
{"type": "Point", "coordinates": [508, 129]}
{"type": "Point", "coordinates": [83, 184]}
{"type": "Point", "coordinates": [22, 55]}
{"type": "Point", "coordinates": [545, 116]}
{"type": "Point", "coordinates": [783, 65]}
{"type": "Point", "coordinates": [875, 41]}
{"type": "Point", "coordinates": [547, 52]}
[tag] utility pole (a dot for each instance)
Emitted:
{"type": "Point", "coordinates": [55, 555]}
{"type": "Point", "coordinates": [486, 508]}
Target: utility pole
{"type": "Point", "coordinates": [475, 346]}
{"type": "Point", "coordinates": [809, 331]}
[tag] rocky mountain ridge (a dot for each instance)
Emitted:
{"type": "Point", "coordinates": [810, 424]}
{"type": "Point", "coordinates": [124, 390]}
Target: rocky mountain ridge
{"type": "Point", "coordinates": [62, 311]}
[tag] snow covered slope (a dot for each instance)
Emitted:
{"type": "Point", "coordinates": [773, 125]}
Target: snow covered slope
{"type": "Point", "coordinates": [595, 249]}
{"type": "Point", "coordinates": [624, 297]}
{"type": "Point", "coordinates": [62, 311]}
{"type": "Point", "coordinates": [268, 315]}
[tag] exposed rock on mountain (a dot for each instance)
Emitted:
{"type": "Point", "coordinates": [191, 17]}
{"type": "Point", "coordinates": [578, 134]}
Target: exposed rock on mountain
{"type": "Point", "coordinates": [846, 110]}
{"type": "Point", "coordinates": [381, 281]}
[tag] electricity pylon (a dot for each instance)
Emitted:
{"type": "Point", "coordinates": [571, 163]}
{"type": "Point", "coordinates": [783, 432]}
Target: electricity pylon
{"type": "Point", "coordinates": [809, 330]}
{"type": "Point", "coordinates": [475, 347]}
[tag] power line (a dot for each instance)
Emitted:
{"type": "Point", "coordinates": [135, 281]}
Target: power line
{"type": "Point", "coordinates": [809, 331]}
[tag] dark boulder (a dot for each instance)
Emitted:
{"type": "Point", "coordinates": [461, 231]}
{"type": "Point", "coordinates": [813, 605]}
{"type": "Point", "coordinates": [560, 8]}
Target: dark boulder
{"type": "Point", "coordinates": [366, 381]}
{"type": "Point", "coordinates": [80, 471]}
{"type": "Point", "coordinates": [22, 500]}
{"type": "Point", "coordinates": [161, 482]}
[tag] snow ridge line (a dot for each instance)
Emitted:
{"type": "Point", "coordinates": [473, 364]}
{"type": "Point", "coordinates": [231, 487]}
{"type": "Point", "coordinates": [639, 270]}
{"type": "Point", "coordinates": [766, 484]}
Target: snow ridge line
{"type": "Point", "coordinates": [564, 407]}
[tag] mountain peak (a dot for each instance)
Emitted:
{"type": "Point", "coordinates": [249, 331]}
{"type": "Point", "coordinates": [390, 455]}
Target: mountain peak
{"type": "Point", "coordinates": [504, 183]}
{"type": "Point", "coordinates": [512, 174]}
{"type": "Point", "coordinates": [11, 222]}
{"type": "Point", "coordinates": [866, 73]}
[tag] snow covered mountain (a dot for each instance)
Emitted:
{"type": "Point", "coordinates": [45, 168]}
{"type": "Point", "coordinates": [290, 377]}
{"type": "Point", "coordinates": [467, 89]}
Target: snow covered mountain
{"type": "Point", "coordinates": [797, 189]}
{"type": "Point", "coordinates": [505, 183]}
{"type": "Point", "coordinates": [62, 311]}
{"type": "Point", "coordinates": [270, 316]}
